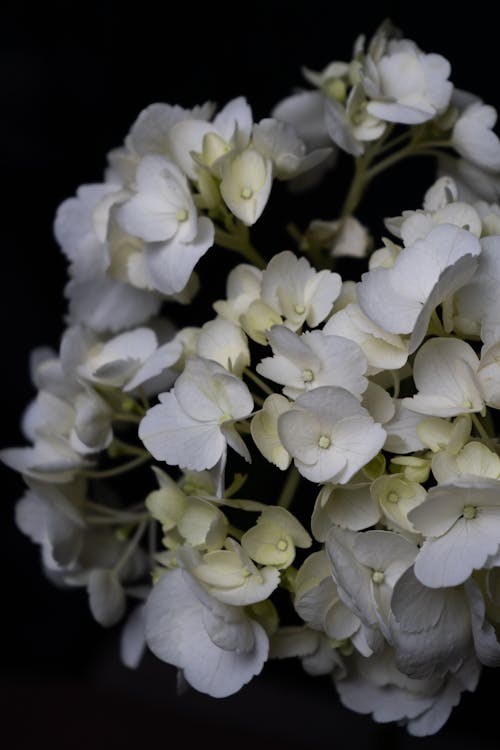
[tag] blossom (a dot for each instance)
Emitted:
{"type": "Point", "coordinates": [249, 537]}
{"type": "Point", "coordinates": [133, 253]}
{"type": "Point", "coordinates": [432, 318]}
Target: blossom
{"type": "Point", "coordinates": [405, 85]}
{"type": "Point", "coordinates": [313, 360]}
{"type": "Point", "coordinates": [329, 434]}
{"type": "Point", "coordinates": [192, 424]}
{"type": "Point", "coordinates": [461, 523]}
{"type": "Point", "coordinates": [401, 299]}
{"type": "Point", "coordinates": [217, 646]}
{"type": "Point", "coordinates": [473, 136]}
{"type": "Point", "coordinates": [163, 214]}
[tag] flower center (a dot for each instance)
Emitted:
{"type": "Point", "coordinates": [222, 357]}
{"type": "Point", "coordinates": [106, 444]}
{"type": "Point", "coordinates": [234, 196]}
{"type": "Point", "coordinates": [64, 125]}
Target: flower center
{"type": "Point", "coordinates": [282, 545]}
{"type": "Point", "coordinates": [393, 497]}
{"type": "Point", "coordinates": [299, 309]}
{"type": "Point", "coordinates": [246, 193]}
{"type": "Point", "coordinates": [469, 512]}
{"type": "Point", "coordinates": [324, 441]}
{"type": "Point", "coordinates": [307, 376]}
{"type": "Point", "coordinates": [378, 577]}
{"type": "Point", "coordinates": [181, 215]}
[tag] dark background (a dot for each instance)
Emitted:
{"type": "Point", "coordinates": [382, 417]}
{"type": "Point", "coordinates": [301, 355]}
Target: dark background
{"type": "Point", "coordinates": [73, 79]}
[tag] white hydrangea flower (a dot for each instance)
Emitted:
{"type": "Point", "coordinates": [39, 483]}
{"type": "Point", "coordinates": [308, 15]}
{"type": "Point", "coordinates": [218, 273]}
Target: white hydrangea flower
{"type": "Point", "coordinates": [366, 566]}
{"type": "Point", "coordinates": [383, 350]}
{"type": "Point", "coordinates": [224, 342]}
{"type": "Point", "coordinates": [272, 541]}
{"type": "Point", "coordinates": [229, 574]}
{"type": "Point", "coordinates": [317, 602]}
{"type": "Point", "coordinates": [353, 125]}
{"type": "Point", "coordinates": [433, 631]}
{"type": "Point", "coordinates": [247, 178]}
{"type": "Point", "coordinates": [281, 143]}
{"type": "Point", "coordinates": [242, 288]}
{"type": "Point", "coordinates": [217, 646]}
{"type": "Point", "coordinates": [302, 363]}
{"type": "Point", "coordinates": [329, 434]}
{"type": "Point", "coordinates": [298, 292]}
{"type": "Point", "coordinates": [163, 214]}
{"type": "Point", "coordinates": [397, 496]}
{"type": "Point", "coordinates": [313, 648]}
{"type": "Point", "coordinates": [401, 299]}
{"type": "Point", "coordinates": [96, 297]}
{"type": "Point", "coordinates": [124, 361]}
{"type": "Point", "coordinates": [350, 506]}
{"type": "Point", "coordinates": [473, 459]}
{"type": "Point", "coordinates": [186, 518]}
{"type": "Point", "coordinates": [65, 432]}
{"type": "Point", "coordinates": [416, 225]}
{"type": "Point", "coordinates": [264, 430]}
{"type": "Point", "coordinates": [193, 423]}
{"type": "Point", "coordinates": [150, 132]}
{"type": "Point", "coordinates": [476, 310]}
{"type": "Point", "coordinates": [445, 374]}
{"type": "Point", "coordinates": [405, 85]}
{"type": "Point", "coordinates": [461, 523]}
{"type": "Point", "coordinates": [474, 139]}
{"type": "Point", "coordinates": [375, 686]}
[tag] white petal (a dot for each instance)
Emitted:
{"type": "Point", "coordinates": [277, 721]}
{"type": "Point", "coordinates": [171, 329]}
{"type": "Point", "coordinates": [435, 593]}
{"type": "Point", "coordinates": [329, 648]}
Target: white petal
{"type": "Point", "coordinates": [106, 597]}
{"type": "Point", "coordinates": [171, 263]}
{"type": "Point", "coordinates": [171, 435]}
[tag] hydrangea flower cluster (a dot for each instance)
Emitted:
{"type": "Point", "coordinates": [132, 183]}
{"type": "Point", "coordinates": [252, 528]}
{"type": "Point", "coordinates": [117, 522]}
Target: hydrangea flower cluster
{"type": "Point", "coordinates": [370, 405]}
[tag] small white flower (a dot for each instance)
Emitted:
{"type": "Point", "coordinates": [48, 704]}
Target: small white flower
{"type": "Point", "coordinates": [302, 363]}
{"type": "Point", "coordinates": [218, 647]}
{"type": "Point", "coordinates": [330, 435]}
{"type": "Point", "coordinates": [401, 299]}
{"type": "Point", "coordinates": [445, 374]}
{"type": "Point", "coordinates": [405, 85]}
{"type": "Point", "coordinates": [192, 424]}
{"type": "Point", "coordinates": [474, 139]}
{"type": "Point", "coordinates": [461, 521]}
{"type": "Point", "coordinates": [163, 214]}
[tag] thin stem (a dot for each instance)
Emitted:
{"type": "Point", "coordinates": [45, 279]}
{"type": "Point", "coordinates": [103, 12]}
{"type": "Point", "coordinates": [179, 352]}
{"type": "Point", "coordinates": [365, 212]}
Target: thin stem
{"type": "Point", "coordinates": [121, 417]}
{"type": "Point", "coordinates": [237, 483]}
{"type": "Point", "coordinates": [396, 383]}
{"type": "Point", "coordinates": [356, 189]}
{"type": "Point", "coordinates": [482, 433]}
{"type": "Point", "coordinates": [131, 546]}
{"type": "Point", "coordinates": [233, 531]}
{"type": "Point", "coordinates": [289, 488]}
{"type": "Point", "coordinates": [420, 149]}
{"type": "Point", "coordinates": [263, 386]}
{"type": "Point", "coordinates": [117, 512]}
{"type": "Point", "coordinates": [122, 469]}
{"type": "Point", "coordinates": [152, 539]}
{"type": "Point", "coordinates": [240, 245]}
{"type": "Point", "coordinates": [108, 521]}
{"type": "Point", "coordinates": [124, 447]}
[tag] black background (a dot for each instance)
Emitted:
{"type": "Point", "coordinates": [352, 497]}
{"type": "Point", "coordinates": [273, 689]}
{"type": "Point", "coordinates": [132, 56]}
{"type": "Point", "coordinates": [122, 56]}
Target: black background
{"type": "Point", "coordinates": [73, 79]}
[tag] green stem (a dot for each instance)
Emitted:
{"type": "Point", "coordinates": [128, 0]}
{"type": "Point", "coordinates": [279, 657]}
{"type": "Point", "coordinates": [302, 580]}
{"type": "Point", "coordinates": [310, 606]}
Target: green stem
{"type": "Point", "coordinates": [289, 488]}
{"type": "Point", "coordinates": [240, 245]}
{"type": "Point", "coordinates": [356, 189]}
{"type": "Point", "coordinates": [427, 148]}
{"type": "Point", "coordinates": [109, 521]}
{"type": "Point", "coordinates": [483, 434]}
{"type": "Point", "coordinates": [121, 417]}
{"type": "Point", "coordinates": [128, 448]}
{"type": "Point", "coordinates": [117, 470]}
{"type": "Point", "coordinates": [233, 531]}
{"type": "Point", "coordinates": [131, 546]}
{"type": "Point", "coordinates": [263, 386]}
